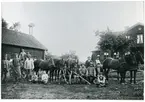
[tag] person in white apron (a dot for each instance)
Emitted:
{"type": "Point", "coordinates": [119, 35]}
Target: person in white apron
{"type": "Point", "coordinates": [98, 64]}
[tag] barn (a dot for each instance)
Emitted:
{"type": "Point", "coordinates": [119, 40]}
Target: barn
{"type": "Point", "coordinates": [14, 42]}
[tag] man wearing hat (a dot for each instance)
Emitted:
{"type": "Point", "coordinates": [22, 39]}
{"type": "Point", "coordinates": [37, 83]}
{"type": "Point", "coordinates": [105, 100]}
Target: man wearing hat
{"type": "Point", "coordinates": [91, 72]}
{"type": "Point", "coordinates": [87, 63]}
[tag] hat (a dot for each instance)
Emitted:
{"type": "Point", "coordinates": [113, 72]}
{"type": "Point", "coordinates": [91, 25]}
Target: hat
{"type": "Point", "coordinates": [91, 63]}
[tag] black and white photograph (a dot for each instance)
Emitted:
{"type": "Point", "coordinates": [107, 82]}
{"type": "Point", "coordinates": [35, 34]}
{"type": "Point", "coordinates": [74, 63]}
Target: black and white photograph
{"type": "Point", "coordinates": [76, 50]}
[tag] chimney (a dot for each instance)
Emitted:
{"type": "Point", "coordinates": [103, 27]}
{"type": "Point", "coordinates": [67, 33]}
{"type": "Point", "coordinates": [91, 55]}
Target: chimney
{"type": "Point", "coordinates": [31, 25]}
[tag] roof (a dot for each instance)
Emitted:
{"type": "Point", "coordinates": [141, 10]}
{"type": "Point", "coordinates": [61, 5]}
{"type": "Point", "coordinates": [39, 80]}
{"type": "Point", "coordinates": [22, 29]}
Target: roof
{"type": "Point", "coordinates": [135, 25]}
{"type": "Point", "coordinates": [118, 33]}
{"type": "Point", "coordinates": [96, 50]}
{"type": "Point", "coordinates": [11, 37]}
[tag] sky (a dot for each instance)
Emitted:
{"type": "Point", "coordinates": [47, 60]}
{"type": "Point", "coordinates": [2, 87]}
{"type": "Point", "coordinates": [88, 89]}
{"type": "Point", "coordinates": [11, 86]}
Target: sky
{"type": "Point", "coordinates": [65, 26]}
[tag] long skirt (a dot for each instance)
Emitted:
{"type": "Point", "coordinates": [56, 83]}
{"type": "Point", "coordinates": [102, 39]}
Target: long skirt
{"type": "Point", "coordinates": [17, 73]}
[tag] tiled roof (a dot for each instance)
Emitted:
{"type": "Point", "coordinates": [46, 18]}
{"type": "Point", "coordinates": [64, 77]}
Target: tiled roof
{"type": "Point", "coordinates": [20, 39]}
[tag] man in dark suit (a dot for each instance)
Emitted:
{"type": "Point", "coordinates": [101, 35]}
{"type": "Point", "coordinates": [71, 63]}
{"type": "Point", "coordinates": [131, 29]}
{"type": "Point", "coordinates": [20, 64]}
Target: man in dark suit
{"type": "Point", "coordinates": [87, 63]}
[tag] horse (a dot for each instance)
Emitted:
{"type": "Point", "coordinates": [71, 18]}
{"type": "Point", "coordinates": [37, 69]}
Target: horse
{"type": "Point", "coordinates": [59, 65]}
{"type": "Point", "coordinates": [67, 70]}
{"type": "Point", "coordinates": [36, 65]}
{"type": "Point", "coordinates": [127, 63]}
{"type": "Point", "coordinates": [45, 65]}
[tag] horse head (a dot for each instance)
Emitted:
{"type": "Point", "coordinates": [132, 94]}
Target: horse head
{"type": "Point", "coordinates": [139, 57]}
{"type": "Point", "coordinates": [130, 59]}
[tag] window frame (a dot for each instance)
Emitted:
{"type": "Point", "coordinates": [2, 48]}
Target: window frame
{"type": "Point", "coordinates": [128, 37]}
{"type": "Point", "coordinates": [140, 39]}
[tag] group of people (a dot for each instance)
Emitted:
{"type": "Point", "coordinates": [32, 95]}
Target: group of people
{"type": "Point", "coordinates": [92, 71]}
{"type": "Point", "coordinates": [41, 77]}
{"type": "Point", "coordinates": [22, 66]}
{"type": "Point", "coordinates": [13, 66]}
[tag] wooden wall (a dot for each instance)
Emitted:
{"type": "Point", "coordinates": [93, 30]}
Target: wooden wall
{"type": "Point", "coordinates": [9, 49]}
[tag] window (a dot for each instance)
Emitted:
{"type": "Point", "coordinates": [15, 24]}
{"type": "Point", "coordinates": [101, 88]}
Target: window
{"type": "Point", "coordinates": [127, 37]}
{"type": "Point", "coordinates": [139, 28]}
{"type": "Point", "coordinates": [106, 54]}
{"type": "Point", "coordinates": [139, 39]}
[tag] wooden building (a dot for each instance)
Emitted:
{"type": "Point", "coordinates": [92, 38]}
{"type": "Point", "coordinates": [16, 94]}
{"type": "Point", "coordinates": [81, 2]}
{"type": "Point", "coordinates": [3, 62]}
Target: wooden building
{"type": "Point", "coordinates": [13, 42]}
{"type": "Point", "coordinates": [102, 55]}
{"type": "Point", "coordinates": [136, 32]}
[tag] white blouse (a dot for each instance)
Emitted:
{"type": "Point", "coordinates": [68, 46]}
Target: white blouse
{"type": "Point", "coordinates": [29, 64]}
{"type": "Point", "coordinates": [45, 78]}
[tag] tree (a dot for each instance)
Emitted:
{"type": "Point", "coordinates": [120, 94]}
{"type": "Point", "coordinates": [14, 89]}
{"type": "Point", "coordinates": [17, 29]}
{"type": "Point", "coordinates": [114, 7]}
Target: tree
{"type": "Point", "coordinates": [107, 40]}
{"type": "Point", "coordinates": [4, 24]}
{"type": "Point", "coordinates": [16, 26]}
{"type": "Point", "coordinates": [111, 41]}
{"type": "Point", "coordinates": [122, 44]}
{"type": "Point", "coordinates": [70, 54]}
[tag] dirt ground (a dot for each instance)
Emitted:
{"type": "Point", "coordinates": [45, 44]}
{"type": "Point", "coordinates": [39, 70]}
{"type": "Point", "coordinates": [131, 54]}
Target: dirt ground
{"type": "Point", "coordinates": [114, 90]}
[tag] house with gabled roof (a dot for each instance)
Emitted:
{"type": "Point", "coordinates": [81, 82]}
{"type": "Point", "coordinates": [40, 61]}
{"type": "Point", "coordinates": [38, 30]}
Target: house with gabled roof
{"type": "Point", "coordinates": [14, 42]}
{"type": "Point", "coordinates": [135, 32]}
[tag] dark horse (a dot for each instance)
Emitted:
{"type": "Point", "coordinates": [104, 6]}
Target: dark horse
{"type": "Point", "coordinates": [67, 69]}
{"type": "Point", "coordinates": [127, 63]}
{"type": "Point", "coordinates": [45, 65]}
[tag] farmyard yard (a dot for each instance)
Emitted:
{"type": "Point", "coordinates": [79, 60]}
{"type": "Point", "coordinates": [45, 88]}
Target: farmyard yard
{"type": "Point", "coordinates": [114, 90]}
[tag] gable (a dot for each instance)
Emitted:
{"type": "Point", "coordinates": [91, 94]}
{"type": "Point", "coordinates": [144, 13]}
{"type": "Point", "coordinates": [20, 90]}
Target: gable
{"type": "Point", "coordinates": [11, 37]}
{"type": "Point", "coordinates": [138, 29]}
